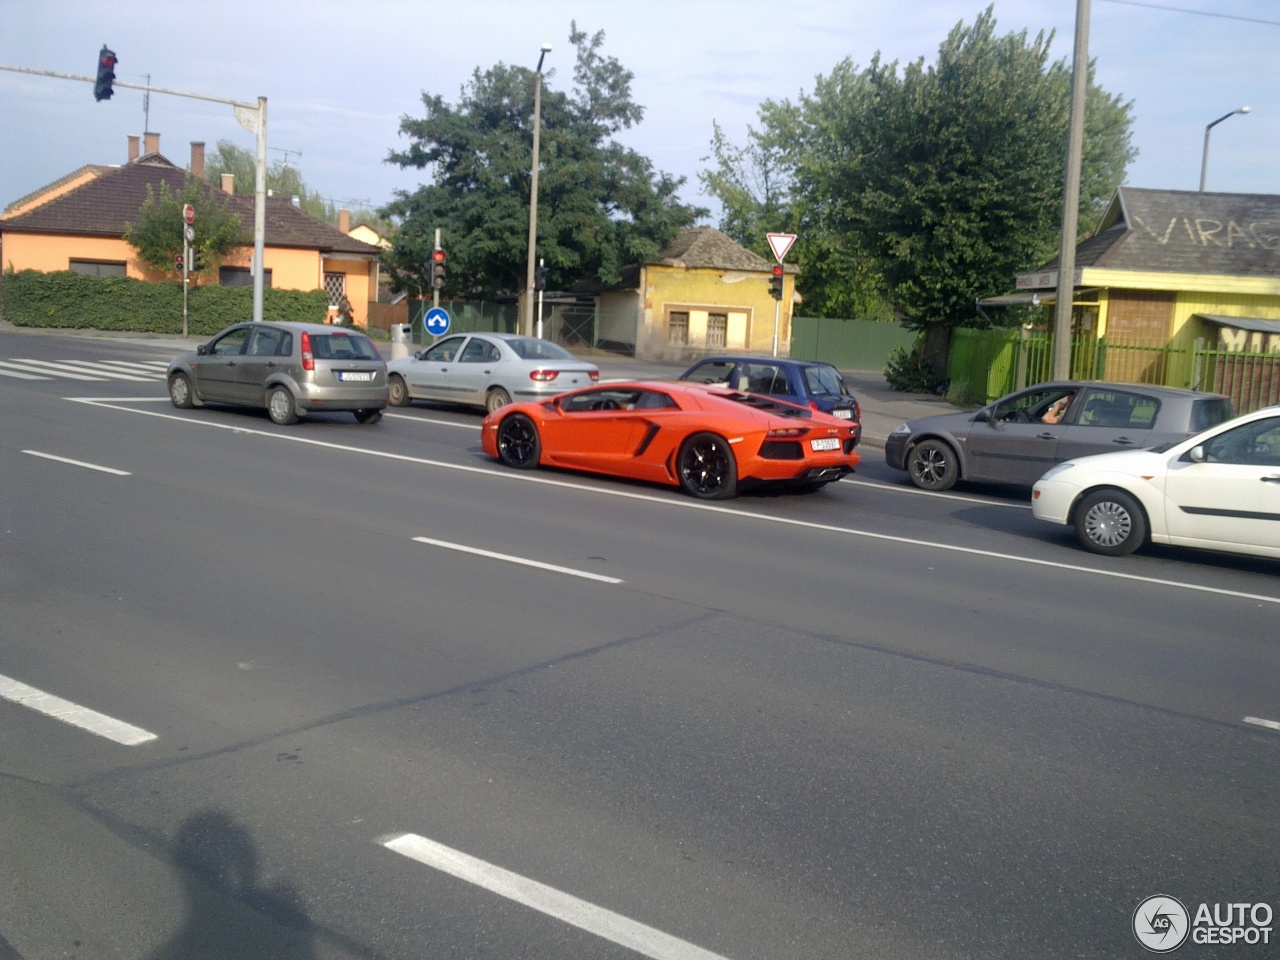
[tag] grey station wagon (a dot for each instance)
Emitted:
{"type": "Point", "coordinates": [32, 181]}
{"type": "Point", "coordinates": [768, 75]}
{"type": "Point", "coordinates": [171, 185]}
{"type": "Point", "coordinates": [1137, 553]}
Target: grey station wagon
{"type": "Point", "coordinates": [1019, 437]}
{"type": "Point", "coordinates": [291, 369]}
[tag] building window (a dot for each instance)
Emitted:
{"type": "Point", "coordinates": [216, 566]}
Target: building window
{"type": "Point", "coordinates": [99, 268]}
{"type": "Point", "coordinates": [678, 326]}
{"type": "Point", "coordinates": [240, 277]}
{"type": "Point", "coordinates": [717, 329]}
{"type": "Point", "coordinates": [335, 285]}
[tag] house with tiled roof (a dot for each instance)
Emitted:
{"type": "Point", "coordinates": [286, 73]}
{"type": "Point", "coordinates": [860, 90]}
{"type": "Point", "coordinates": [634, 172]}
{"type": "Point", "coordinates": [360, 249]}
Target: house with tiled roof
{"type": "Point", "coordinates": [1175, 266]}
{"type": "Point", "coordinates": [702, 294]}
{"type": "Point", "coordinates": [78, 223]}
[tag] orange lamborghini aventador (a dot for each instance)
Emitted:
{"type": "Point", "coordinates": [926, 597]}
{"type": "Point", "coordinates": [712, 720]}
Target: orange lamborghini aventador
{"type": "Point", "coordinates": [710, 441]}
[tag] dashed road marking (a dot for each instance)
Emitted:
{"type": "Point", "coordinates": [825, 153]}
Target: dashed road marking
{"type": "Point", "coordinates": [77, 463]}
{"type": "Point", "coordinates": [74, 714]}
{"type": "Point", "coordinates": [508, 558]}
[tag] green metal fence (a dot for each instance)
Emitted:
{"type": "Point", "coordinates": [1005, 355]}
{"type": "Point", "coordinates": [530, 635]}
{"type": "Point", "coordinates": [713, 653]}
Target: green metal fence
{"type": "Point", "coordinates": [847, 344]}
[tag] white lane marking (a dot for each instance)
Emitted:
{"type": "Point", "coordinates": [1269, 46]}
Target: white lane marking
{"type": "Point", "coordinates": [99, 370]}
{"type": "Point", "coordinates": [74, 714]}
{"type": "Point", "coordinates": [78, 463]}
{"type": "Point", "coordinates": [520, 560]}
{"type": "Point", "coordinates": [895, 488]}
{"type": "Point", "coordinates": [520, 477]}
{"type": "Point", "coordinates": [1258, 721]}
{"type": "Point", "coordinates": [155, 368]}
{"type": "Point", "coordinates": [441, 423]}
{"type": "Point", "coordinates": [18, 372]}
{"type": "Point", "coordinates": [606, 924]}
{"type": "Point", "coordinates": [39, 366]}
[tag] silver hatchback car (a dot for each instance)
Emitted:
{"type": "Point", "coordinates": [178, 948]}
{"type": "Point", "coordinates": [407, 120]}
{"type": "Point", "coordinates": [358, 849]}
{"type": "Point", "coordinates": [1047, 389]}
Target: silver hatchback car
{"type": "Point", "coordinates": [291, 369]}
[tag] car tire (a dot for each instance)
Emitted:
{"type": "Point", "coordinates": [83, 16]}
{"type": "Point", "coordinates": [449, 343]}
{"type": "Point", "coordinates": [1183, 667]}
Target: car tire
{"type": "Point", "coordinates": [397, 391]}
{"type": "Point", "coordinates": [496, 399]}
{"type": "Point", "coordinates": [281, 406]}
{"type": "Point", "coordinates": [933, 465]}
{"type": "Point", "coordinates": [707, 468]}
{"type": "Point", "coordinates": [518, 442]}
{"type": "Point", "coordinates": [368, 416]}
{"type": "Point", "coordinates": [180, 391]}
{"type": "Point", "coordinates": [1110, 522]}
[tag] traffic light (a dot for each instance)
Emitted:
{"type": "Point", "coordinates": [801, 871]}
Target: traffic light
{"type": "Point", "coordinates": [437, 268]}
{"type": "Point", "coordinates": [775, 282]}
{"type": "Point", "coordinates": [178, 265]}
{"type": "Point", "coordinates": [197, 261]}
{"type": "Point", "coordinates": [540, 277]}
{"type": "Point", "coordinates": [106, 74]}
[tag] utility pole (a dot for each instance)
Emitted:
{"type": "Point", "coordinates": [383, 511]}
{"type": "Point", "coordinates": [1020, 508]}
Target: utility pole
{"type": "Point", "coordinates": [1071, 199]}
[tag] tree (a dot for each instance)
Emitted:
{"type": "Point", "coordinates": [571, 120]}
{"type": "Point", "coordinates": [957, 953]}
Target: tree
{"type": "Point", "coordinates": [943, 181]}
{"type": "Point", "coordinates": [157, 234]}
{"type": "Point", "coordinates": [601, 205]}
{"type": "Point", "coordinates": [283, 180]}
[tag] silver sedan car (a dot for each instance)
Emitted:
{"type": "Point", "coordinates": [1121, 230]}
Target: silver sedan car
{"type": "Point", "coordinates": [291, 369]}
{"type": "Point", "coordinates": [487, 370]}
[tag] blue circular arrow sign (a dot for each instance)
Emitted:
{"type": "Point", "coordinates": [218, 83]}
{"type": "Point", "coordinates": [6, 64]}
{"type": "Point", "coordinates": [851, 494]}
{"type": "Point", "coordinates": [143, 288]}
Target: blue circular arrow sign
{"type": "Point", "coordinates": [436, 321]}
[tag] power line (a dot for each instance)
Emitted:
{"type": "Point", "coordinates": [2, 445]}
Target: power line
{"type": "Point", "coordinates": [1198, 13]}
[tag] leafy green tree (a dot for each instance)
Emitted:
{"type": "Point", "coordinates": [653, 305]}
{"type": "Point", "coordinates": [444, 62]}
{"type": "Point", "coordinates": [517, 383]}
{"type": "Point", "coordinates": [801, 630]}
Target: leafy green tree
{"type": "Point", "coordinates": [283, 180]}
{"type": "Point", "coordinates": [941, 182]}
{"type": "Point", "coordinates": [157, 234]}
{"type": "Point", "coordinates": [601, 205]}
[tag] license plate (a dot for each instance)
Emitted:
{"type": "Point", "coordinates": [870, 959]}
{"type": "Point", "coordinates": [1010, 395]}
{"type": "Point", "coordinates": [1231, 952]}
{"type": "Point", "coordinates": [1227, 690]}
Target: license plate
{"type": "Point", "coordinates": [351, 375]}
{"type": "Point", "coordinates": [826, 443]}
{"type": "Point", "coordinates": [844, 414]}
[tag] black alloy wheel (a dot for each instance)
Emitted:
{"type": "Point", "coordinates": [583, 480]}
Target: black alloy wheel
{"type": "Point", "coordinates": [932, 465]}
{"type": "Point", "coordinates": [706, 467]}
{"type": "Point", "coordinates": [518, 443]}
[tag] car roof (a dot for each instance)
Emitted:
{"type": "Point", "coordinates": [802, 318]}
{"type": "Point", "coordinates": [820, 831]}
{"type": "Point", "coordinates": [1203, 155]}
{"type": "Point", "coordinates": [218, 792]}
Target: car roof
{"type": "Point", "coordinates": [298, 326]}
{"type": "Point", "coordinates": [752, 358]}
{"type": "Point", "coordinates": [1153, 389]}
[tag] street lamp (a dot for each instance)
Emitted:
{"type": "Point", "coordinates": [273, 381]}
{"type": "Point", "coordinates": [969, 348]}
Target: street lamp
{"type": "Point", "coordinates": [533, 195]}
{"type": "Point", "coordinates": [1204, 163]}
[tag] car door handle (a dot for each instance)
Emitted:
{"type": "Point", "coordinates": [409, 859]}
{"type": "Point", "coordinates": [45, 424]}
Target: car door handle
{"type": "Point", "coordinates": [1123, 441]}
{"type": "Point", "coordinates": [1270, 479]}
{"type": "Point", "coordinates": [1046, 436]}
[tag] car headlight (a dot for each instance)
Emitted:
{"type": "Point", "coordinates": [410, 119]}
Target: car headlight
{"type": "Point", "coordinates": [902, 429]}
{"type": "Point", "coordinates": [1057, 469]}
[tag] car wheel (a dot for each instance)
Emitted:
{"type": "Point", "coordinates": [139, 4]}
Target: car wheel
{"type": "Point", "coordinates": [932, 465]}
{"type": "Point", "coordinates": [496, 399]}
{"type": "Point", "coordinates": [280, 406]}
{"type": "Point", "coordinates": [368, 416]}
{"type": "Point", "coordinates": [397, 392]}
{"type": "Point", "coordinates": [518, 443]}
{"type": "Point", "coordinates": [1110, 522]}
{"type": "Point", "coordinates": [706, 467]}
{"type": "Point", "coordinates": [180, 391]}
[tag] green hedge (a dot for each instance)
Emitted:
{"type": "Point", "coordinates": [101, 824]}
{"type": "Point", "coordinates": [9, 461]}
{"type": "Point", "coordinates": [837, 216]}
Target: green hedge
{"type": "Point", "coordinates": [29, 298]}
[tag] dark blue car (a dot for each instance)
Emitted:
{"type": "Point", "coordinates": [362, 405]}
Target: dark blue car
{"type": "Point", "coordinates": [808, 383]}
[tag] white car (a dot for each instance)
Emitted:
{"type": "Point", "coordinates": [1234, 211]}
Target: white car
{"type": "Point", "coordinates": [1218, 490]}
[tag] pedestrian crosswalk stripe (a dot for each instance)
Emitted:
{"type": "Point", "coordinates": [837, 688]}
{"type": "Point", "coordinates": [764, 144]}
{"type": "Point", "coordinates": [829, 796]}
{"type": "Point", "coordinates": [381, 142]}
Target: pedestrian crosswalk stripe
{"type": "Point", "coordinates": [95, 369]}
{"type": "Point", "coordinates": [17, 373]}
{"type": "Point", "coordinates": [25, 368]}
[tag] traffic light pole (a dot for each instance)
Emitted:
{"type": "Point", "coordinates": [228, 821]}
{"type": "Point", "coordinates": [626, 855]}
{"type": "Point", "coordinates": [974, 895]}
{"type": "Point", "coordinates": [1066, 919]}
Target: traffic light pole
{"type": "Point", "coordinates": [251, 116]}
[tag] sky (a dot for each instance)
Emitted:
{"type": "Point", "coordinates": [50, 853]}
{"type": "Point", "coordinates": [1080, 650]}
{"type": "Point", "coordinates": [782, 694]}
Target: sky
{"type": "Point", "coordinates": [339, 76]}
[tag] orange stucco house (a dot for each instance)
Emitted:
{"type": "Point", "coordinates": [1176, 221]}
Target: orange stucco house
{"type": "Point", "coordinates": [78, 222]}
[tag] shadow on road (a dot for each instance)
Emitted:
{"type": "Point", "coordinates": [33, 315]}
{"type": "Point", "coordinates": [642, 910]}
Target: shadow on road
{"type": "Point", "coordinates": [229, 913]}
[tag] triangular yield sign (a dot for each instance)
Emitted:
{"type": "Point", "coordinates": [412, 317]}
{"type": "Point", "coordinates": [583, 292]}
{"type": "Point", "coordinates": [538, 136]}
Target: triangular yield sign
{"type": "Point", "coordinates": [780, 243]}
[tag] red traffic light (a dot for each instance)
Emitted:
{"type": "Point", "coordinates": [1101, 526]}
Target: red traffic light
{"type": "Point", "coordinates": [777, 269]}
{"type": "Point", "coordinates": [437, 256]}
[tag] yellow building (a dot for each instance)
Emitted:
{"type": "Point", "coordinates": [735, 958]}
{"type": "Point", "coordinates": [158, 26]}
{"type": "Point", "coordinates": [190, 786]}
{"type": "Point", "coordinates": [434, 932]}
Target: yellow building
{"type": "Point", "coordinates": [78, 223]}
{"type": "Point", "coordinates": [703, 294]}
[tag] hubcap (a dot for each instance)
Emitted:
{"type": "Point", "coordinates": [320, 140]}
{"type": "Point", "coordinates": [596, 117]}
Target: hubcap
{"type": "Point", "coordinates": [1108, 524]}
{"type": "Point", "coordinates": [178, 390]}
{"type": "Point", "coordinates": [280, 403]}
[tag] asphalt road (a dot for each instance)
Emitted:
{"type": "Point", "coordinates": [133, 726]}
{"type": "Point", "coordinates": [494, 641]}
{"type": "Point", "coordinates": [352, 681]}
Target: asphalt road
{"type": "Point", "coordinates": [401, 702]}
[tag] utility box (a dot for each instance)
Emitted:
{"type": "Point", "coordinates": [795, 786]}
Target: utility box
{"type": "Point", "coordinates": [401, 340]}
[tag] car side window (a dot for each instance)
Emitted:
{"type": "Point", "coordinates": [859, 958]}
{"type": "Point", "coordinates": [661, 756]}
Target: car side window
{"type": "Point", "coordinates": [285, 347]}
{"type": "Point", "coordinates": [232, 344]}
{"type": "Point", "coordinates": [607, 398]}
{"type": "Point", "coordinates": [443, 352]}
{"type": "Point", "coordinates": [763, 378]}
{"type": "Point", "coordinates": [265, 342]}
{"type": "Point", "coordinates": [479, 351]}
{"type": "Point", "coordinates": [1251, 444]}
{"type": "Point", "coordinates": [1027, 407]}
{"type": "Point", "coordinates": [713, 371]}
{"type": "Point", "coordinates": [1118, 408]}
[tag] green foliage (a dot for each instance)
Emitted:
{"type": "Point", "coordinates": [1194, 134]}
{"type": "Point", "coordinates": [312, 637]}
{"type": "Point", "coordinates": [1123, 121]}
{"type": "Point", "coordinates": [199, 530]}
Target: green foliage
{"type": "Point", "coordinates": [72, 300]}
{"type": "Point", "coordinates": [283, 180]}
{"type": "Point", "coordinates": [907, 370]}
{"type": "Point", "coordinates": [157, 233]}
{"type": "Point", "coordinates": [929, 186]}
{"type": "Point", "coordinates": [601, 205]}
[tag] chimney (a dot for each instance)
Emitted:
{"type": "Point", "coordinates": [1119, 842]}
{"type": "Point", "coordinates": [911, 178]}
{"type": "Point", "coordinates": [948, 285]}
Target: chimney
{"type": "Point", "coordinates": [197, 159]}
{"type": "Point", "coordinates": [133, 146]}
{"type": "Point", "coordinates": [344, 221]}
{"type": "Point", "coordinates": [151, 143]}
{"type": "Point", "coordinates": [228, 183]}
